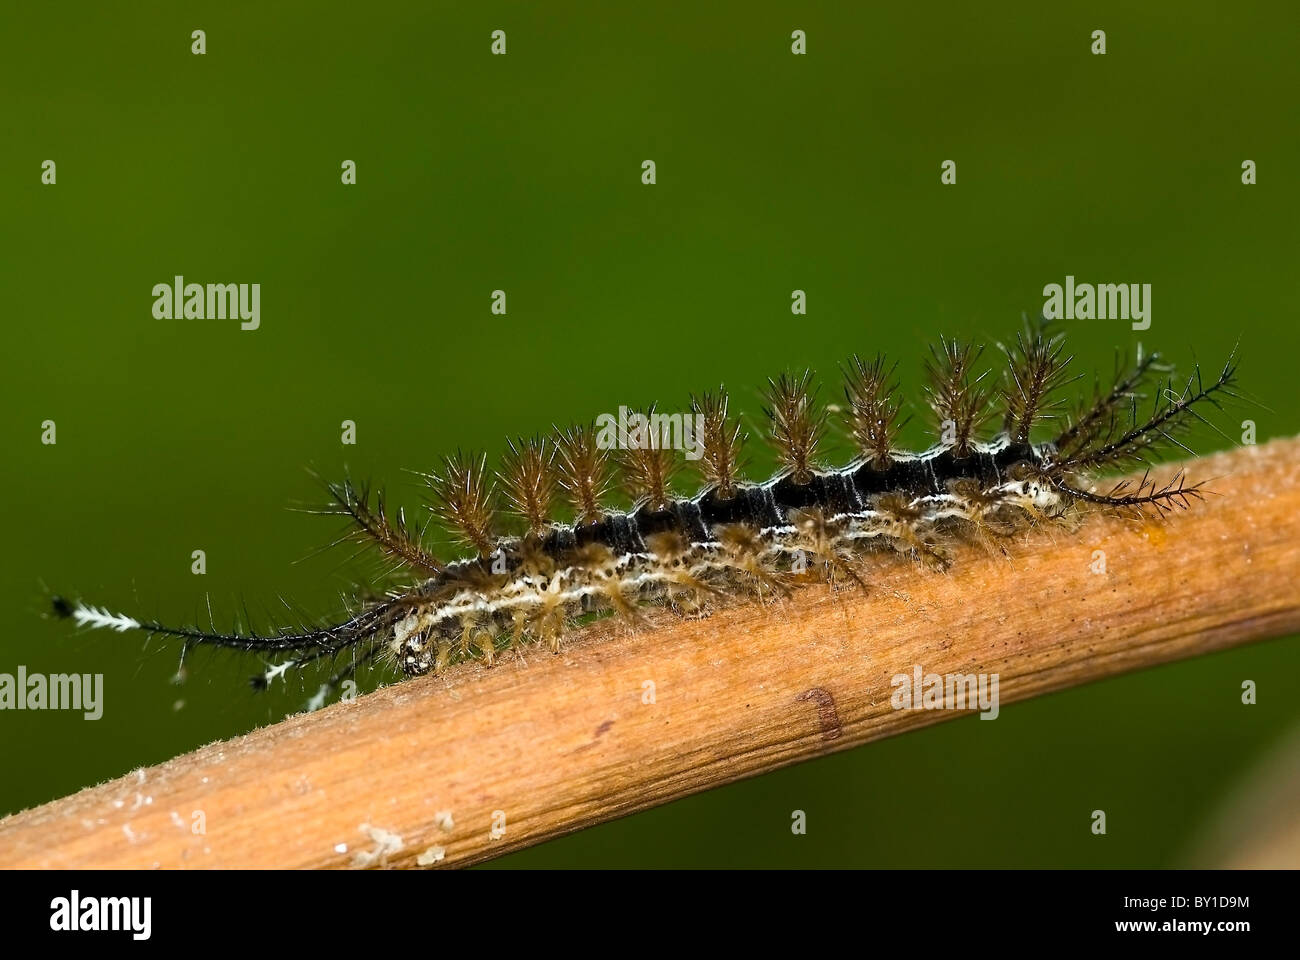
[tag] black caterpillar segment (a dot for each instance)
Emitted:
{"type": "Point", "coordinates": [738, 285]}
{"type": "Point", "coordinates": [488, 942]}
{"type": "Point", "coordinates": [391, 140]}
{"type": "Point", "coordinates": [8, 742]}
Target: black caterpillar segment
{"type": "Point", "coordinates": [531, 579]}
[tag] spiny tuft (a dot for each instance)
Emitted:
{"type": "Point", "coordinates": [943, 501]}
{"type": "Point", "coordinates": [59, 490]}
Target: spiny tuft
{"type": "Point", "coordinates": [584, 471]}
{"type": "Point", "coordinates": [528, 478]}
{"type": "Point", "coordinates": [797, 425]}
{"type": "Point", "coordinates": [872, 412]}
{"type": "Point", "coordinates": [720, 463]}
{"type": "Point", "coordinates": [463, 500]}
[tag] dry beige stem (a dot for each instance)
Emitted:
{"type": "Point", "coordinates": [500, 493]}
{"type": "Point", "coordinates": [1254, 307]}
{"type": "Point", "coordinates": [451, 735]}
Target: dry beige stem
{"type": "Point", "coordinates": [456, 769]}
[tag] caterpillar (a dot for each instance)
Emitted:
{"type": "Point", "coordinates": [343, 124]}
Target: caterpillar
{"type": "Point", "coordinates": [529, 577]}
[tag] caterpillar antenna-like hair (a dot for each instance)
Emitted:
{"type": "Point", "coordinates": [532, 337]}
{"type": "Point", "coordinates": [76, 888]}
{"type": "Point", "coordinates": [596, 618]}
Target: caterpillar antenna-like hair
{"type": "Point", "coordinates": [1084, 430]}
{"type": "Point", "coordinates": [334, 637]}
{"type": "Point", "coordinates": [1171, 411]}
{"type": "Point", "coordinates": [1175, 493]}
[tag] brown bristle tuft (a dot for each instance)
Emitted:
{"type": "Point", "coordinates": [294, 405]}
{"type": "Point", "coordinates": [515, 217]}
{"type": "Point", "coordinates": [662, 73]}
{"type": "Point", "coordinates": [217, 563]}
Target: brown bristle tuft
{"type": "Point", "coordinates": [1036, 371]}
{"type": "Point", "coordinates": [720, 462]}
{"type": "Point", "coordinates": [528, 479]}
{"type": "Point", "coordinates": [649, 468]}
{"type": "Point", "coordinates": [797, 427]}
{"type": "Point", "coordinates": [462, 500]}
{"type": "Point", "coordinates": [958, 398]}
{"type": "Point", "coordinates": [873, 413]}
{"type": "Point", "coordinates": [396, 538]}
{"type": "Point", "coordinates": [584, 471]}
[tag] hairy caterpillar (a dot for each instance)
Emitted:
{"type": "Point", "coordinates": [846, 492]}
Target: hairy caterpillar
{"type": "Point", "coordinates": [733, 537]}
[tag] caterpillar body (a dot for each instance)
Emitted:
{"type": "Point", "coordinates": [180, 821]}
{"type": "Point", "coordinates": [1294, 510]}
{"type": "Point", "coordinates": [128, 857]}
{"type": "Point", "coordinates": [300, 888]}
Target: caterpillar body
{"type": "Point", "coordinates": [734, 538]}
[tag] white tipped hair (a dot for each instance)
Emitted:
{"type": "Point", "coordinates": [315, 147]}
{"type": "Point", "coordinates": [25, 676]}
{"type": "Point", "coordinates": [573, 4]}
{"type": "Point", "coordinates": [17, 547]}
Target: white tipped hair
{"type": "Point", "coordinates": [100, 618]}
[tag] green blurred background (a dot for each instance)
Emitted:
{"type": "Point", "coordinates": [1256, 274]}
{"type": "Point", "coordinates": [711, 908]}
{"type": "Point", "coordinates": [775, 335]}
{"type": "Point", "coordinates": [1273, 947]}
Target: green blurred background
{"type": "Point", "coordinates": [477, 172]}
